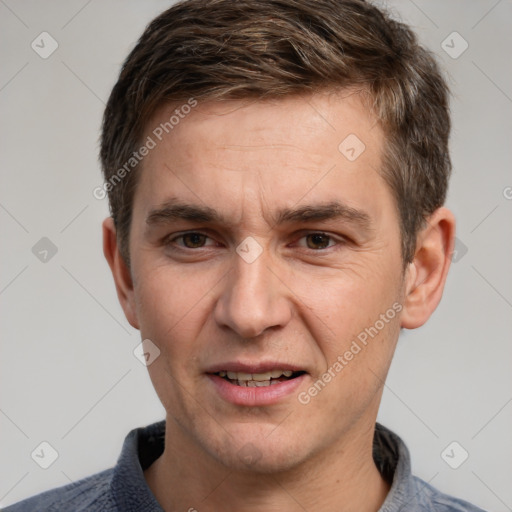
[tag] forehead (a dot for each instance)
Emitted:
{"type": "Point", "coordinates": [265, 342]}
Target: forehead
{"type": "Point", "coordinates": [325, 146]}
{"type": "Point", "coordinates": [295, 123]}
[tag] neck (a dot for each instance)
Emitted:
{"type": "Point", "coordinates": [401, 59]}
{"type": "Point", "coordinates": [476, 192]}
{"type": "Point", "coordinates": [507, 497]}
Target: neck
{"type": "Point", "coordinates": [342, 478]}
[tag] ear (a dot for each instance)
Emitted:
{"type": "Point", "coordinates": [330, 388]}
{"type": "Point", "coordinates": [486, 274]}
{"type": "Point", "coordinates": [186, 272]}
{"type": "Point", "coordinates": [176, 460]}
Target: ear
{"type": "Point", "coordinates": [426, 274]}
{"type": "Point", "coordinates": [120, 272]}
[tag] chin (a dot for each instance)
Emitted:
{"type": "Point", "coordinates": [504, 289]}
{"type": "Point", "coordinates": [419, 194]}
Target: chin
{"type": "Point", "coordinates": [266, 464]}
{"type": "Point", "coordinates": [259, 455]}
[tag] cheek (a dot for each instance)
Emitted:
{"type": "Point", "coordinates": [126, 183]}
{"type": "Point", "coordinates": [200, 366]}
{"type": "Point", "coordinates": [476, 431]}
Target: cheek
{"type": "Point", "coordinates": [171, 313]}
{"type": "Point", "coordinates": [169, 305]}
{"type": "Point", "coordinates": [348, 309]}
{"type": "Point", "coordinates": [355, 361]}
{"type": "Point", "coordinates": [344, 299]}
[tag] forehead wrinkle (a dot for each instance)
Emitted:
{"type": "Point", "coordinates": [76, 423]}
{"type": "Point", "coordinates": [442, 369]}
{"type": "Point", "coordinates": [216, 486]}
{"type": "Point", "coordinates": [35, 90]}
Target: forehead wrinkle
{"type": "Point", "coordinates": [252, 147]}
{"type": "Point", "coordinates": [251, 200]}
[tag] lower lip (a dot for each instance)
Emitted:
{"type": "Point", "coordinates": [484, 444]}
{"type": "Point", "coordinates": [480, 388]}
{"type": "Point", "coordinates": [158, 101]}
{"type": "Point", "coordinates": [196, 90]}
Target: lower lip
{"type": "Point", "coordinates": [251, 397]}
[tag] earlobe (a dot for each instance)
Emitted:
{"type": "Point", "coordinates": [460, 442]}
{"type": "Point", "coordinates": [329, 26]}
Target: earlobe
{"type": "Point", "coordinates": [120, 272]}
{"type": "Point", "coordinates": [426, 274]}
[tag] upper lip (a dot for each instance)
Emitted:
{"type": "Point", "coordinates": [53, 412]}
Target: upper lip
{"type": "Point", "coordinates": [256, 367]}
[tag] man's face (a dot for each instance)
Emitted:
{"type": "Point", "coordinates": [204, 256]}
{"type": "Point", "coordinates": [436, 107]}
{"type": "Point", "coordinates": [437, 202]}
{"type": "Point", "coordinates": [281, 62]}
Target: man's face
{"type": "Point", "coordinates": [256, 245]}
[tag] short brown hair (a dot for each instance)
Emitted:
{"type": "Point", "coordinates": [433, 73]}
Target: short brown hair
{"type": "Point", "coordinates": [262, 49]}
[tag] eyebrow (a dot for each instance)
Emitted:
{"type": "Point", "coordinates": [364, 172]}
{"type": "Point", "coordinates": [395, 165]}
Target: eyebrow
{"type": "Point", "coordinates": [174, 210]}
{"type": "Point", "coordinates": [334, 210]}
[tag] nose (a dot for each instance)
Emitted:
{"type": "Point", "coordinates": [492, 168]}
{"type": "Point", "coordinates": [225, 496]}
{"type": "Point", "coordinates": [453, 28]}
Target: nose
{"type": "Point", "coordinates": [253, 299]}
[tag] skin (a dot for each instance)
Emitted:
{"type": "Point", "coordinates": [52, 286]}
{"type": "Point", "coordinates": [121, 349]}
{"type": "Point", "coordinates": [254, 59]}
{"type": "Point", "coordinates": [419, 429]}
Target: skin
{"type": "Point", "coordinates": [300, 302]}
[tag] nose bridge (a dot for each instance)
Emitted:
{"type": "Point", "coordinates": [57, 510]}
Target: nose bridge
{"type": "Point", "coordinates": [252, 299]}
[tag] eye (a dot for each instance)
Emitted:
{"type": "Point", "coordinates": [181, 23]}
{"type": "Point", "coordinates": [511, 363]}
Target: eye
{"type": "Point", "coordinates": [317, 241]}
{"type": "Point", "coordinates": [191, 240]}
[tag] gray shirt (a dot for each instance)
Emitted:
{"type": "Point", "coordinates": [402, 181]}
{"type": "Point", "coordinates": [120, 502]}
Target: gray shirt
{"type": "Point", "coordinates": [123, 488]}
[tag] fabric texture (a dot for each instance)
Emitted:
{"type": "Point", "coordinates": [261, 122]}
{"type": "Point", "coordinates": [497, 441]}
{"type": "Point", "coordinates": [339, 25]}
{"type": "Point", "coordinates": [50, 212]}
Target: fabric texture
{"type": "Point", "coordinates": [124, 489]}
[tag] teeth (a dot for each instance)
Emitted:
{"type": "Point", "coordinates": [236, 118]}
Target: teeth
{"type": "Point", "coordinates": [238, 376]}
{"type": "Point", "coordinates": [259, 377]}
{"type": "Point", "coordinates": [254, 383]}
{"type": "Point", "coordinates": [262, 376]}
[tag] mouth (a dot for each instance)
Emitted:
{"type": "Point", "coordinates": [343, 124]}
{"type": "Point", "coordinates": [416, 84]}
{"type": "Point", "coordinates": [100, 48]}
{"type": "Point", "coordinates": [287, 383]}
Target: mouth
{"type": "Point", "coordinates": [256, 384]}
{"type": "Point", "coordinates": [256, 380]}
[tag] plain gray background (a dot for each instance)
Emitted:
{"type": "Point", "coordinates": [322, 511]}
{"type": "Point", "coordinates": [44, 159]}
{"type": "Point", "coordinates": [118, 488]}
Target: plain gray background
{"type": "Point", "coordinates": [68, 373]}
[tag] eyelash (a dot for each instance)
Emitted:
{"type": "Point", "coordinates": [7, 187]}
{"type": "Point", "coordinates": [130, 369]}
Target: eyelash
{"type": "Point", "coordinates": [171, 240]}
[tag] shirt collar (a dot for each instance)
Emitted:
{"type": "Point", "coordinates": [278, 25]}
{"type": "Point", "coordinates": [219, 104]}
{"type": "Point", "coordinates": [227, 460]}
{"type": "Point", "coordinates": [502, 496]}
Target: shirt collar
{"type": "Point", "coordinates": [142, 446]}
{"type": "Point", "coordinates": [394, 463]}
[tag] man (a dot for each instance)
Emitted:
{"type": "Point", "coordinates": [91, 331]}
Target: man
{"type": "Point", "coordinates": [276, 171]}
